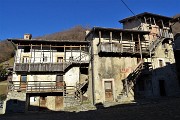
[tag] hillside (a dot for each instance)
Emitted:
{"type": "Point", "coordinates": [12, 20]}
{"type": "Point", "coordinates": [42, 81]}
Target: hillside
{"type": "Point", "coordinates": [6, 50]}
{"type": "Point", "coordinates": [75, 33]}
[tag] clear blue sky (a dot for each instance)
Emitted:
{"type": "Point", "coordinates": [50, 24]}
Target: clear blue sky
{"type": "Point", "coordinates": [40, 17]}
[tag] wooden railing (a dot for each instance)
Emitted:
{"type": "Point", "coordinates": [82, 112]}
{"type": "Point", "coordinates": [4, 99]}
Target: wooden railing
{"type": "Point", "coordinates": [36, 86]}
{"type": "Point", "coordinates": [50, 67]}
{"type": "Point", "coordinates": [129, 47]}
{"type": "Point", "coordinates": [40, 66]}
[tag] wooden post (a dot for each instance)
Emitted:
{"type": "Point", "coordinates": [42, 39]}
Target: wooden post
{"type": "Point", "coordinates": [34, 56]}
{"type": "Point", "coordinates": [41, 54]}
{"type": "Point", "coordinates": [131, 41]}
{"type": "Point", "coordinates": [162, 23]}
{"type": "Point", "coordinates": [111, 41]}
{"type": "Point", "coordinates": [20, 61]}
{"type": "Point", "coordinates": [99, 36]}
{"type": "Point", "coordinates": [140, 46]}
{"type": "Point", "coordinates": [110, 37]}
{"type": "Point", "coordinates": [121, 42]}
{"type": "Point", "coordinates": [127, 89]}
{"type": "Point", "coordinates": [71, 53]}
{"type": "Point", "coordinates": [50, 52]}
{"type": "Point", "coordinates": [145, 20]}
{"type": "Point", "coordinates": [150, 21]}
{"type": "Point", "coordinates": [154, 21]}
{"type": "Point", "coordinates": [64, 53]}
{"type": "Point", "coordinates": [31, 54]}
{"type": "Point", "coordinates": [80, 53]}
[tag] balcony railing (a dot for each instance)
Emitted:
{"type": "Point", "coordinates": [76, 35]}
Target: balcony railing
{"type": "Point", "coordinates": [41, 67]}
{"type": "Point", "coordinates": [130, 47]}
{"type": "Point", "coordinates": [36, 86]}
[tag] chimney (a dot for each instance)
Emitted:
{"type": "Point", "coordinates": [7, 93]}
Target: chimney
{"type": "Point", "coordinates": [87, 31]}
{"type": "Point", "coordinates": [27, 36]}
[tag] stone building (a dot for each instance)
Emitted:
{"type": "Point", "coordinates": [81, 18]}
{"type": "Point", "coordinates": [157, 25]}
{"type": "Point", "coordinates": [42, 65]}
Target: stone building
{"type": "Point", "coordinates": [48, 72]}
{"type": "Point", "coordinates": [111, 65]}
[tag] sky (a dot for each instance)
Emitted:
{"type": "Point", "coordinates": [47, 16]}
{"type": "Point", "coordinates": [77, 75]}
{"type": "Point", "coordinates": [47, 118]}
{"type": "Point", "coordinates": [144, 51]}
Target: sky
{"type": "Point", "coordinates": [40, 17]}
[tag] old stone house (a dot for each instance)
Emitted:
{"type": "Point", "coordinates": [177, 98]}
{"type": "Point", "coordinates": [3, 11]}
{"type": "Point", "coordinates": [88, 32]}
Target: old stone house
{"type": "Point", "coordinates": [111, 65]}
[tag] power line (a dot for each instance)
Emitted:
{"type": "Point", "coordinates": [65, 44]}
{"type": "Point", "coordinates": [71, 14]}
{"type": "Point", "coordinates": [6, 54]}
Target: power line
{"type": "Point", "coordinates": [131, 11]}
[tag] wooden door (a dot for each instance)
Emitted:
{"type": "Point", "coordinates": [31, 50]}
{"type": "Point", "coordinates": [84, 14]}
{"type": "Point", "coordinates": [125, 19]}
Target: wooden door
{"type": "Point", "coordinates": [23, 82]}
{"type": "Point", "coordinates": [108, 91]}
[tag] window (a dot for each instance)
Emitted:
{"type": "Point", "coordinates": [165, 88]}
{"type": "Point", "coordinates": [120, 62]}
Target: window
{"type": "Point", "coordinates": [161, 63]}
{"type": "Point", "coordinates": [59, 78]}
{"type": "Point", "coordinates": [44, 58]}
{"type": "Point", "coordinates": [25, 59]}
{"type": "Point", "coordinates": [59, 59]}
{"type": "Point", "coordinates": [23, 78]}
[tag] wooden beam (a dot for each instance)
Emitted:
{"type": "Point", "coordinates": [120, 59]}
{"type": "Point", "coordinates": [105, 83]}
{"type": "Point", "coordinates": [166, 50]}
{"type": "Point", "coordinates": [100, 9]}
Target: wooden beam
{"type": "Point", "coordinates": [154, 21]}
{"type": "Point", "coordinates": [31, 54]}
{"type": "Point", "coordinates": [99, 36]}
{"type": "Point", "coordinates": [64, 53]}
{"type": "Point", "coordinates": [162, 23]}
{"type": "Point", "coordinates": [110, 37]}
{"type": "Point", "coordinates": [140, 46]}
{"type": "Point", "coordinates": [121, 42]}
{"type": "Point", "coordinates": [41, 53]}
{"type": "Point", "coordinates": [50, 52]}
{"type": "Point", "coordinates": [132, 39]}
{"type": "Point", "coordinates": [121, 37]}
{"type": "Point", "coordinates": [145, 20]}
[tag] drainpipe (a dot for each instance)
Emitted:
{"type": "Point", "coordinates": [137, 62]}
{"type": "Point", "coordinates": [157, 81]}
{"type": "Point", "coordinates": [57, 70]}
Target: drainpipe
{"type": "Point", "coordinates": [92, 63]}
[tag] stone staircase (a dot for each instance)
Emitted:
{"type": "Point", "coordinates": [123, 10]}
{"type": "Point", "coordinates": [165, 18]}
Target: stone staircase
{"type": "Point", "coordinates": [73, 94]}
{"type": "Point", "coordinates": [155, 44]}
{"type": "Point", "coordinates": [128, 83]}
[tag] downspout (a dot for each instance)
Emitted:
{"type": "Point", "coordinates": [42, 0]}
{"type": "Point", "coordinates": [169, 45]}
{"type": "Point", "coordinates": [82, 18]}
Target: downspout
{"type": "Point", "coordinates": [92, 62]}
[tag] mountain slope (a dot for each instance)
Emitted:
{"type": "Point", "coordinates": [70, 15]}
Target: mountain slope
{"type": "Point", "coordinates": [6, 50]}
{"type": "Point", "coordinates": [76, 33]}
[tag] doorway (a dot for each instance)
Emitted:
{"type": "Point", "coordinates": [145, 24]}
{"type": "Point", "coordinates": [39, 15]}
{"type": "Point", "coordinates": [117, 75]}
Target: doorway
{"type": "Point", "coordinates": [162, 88]}
{"type": "Point", "coordinates": [23, 82]}
{"type": "Point", "coordinates": [108, 90]}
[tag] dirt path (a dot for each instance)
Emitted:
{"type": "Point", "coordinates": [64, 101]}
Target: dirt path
{"type": "Point", "coordinates": [166, 109]}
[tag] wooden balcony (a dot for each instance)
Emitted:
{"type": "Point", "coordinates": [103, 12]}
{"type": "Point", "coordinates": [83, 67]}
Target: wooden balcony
{"type": "Point", "coordinates": [36, 86]}
{"type": "Point", "coordinates": [122, 48]}
{"type": "Point", "coordinates": [41, 67]}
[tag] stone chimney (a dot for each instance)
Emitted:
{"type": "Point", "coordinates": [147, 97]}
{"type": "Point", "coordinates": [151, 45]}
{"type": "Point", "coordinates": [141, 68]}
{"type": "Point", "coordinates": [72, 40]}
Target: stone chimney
{"type": "Point", "coordinates": [27, 36]}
